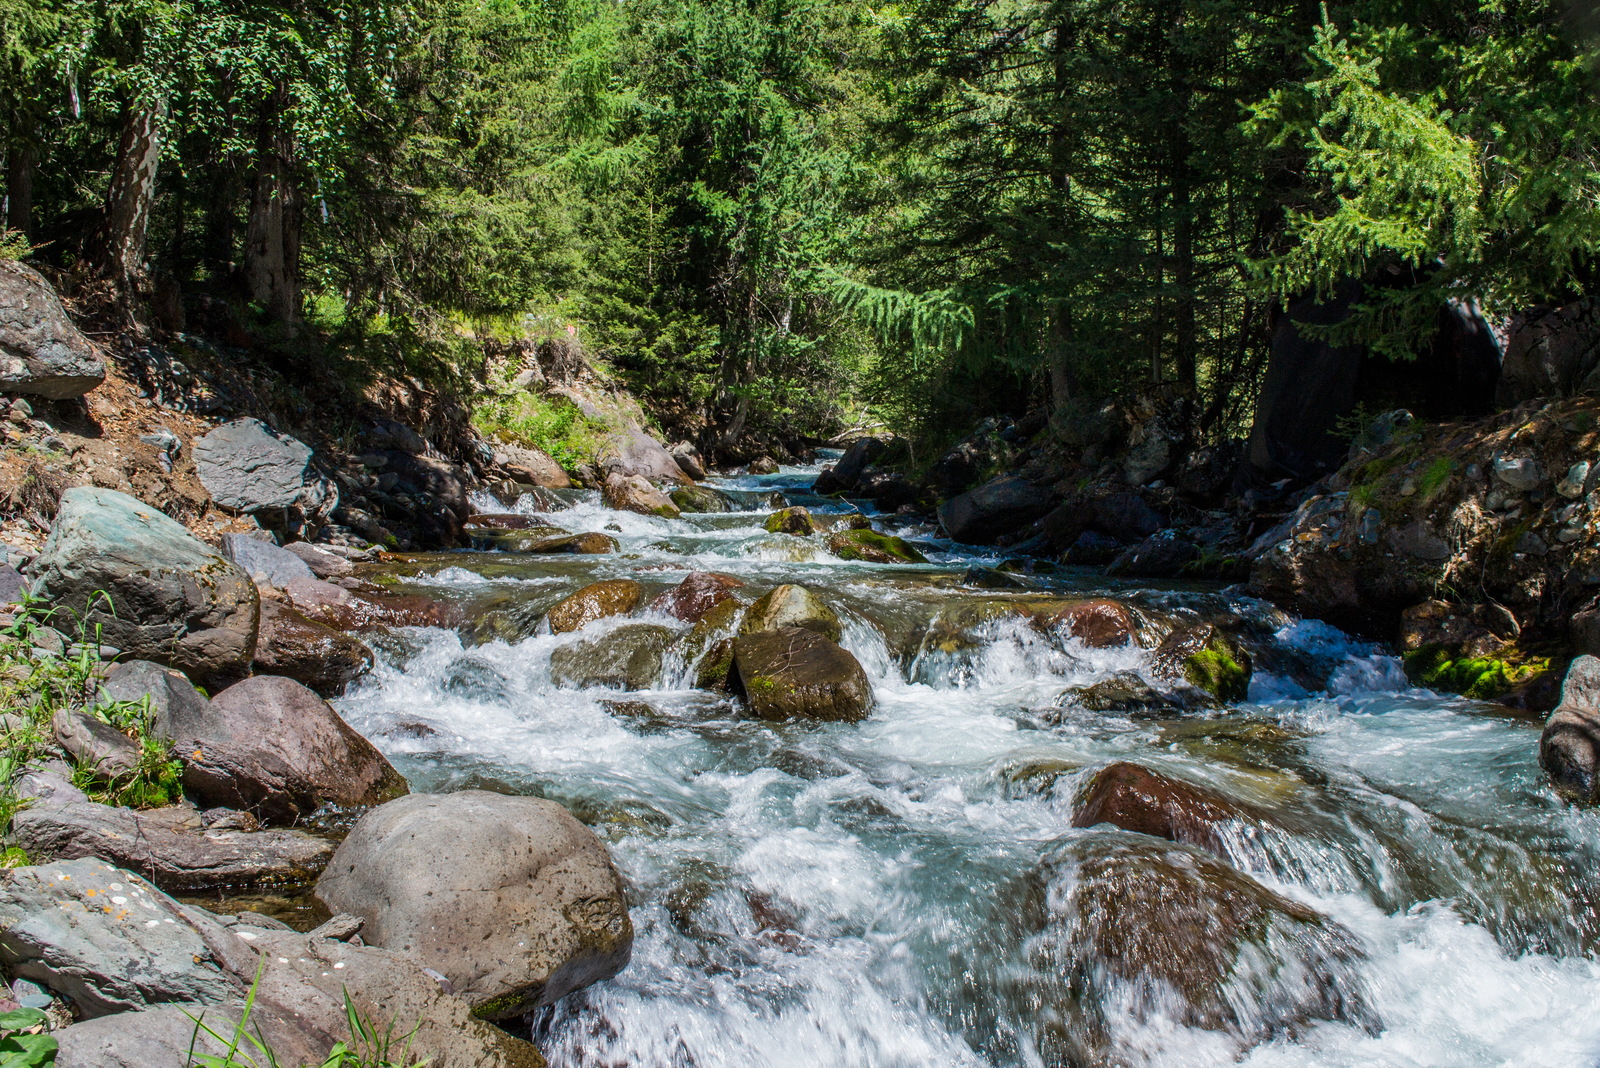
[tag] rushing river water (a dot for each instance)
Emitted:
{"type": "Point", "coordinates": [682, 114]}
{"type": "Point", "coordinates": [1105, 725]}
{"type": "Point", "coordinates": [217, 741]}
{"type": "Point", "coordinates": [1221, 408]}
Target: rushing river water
{"type": "Point", "coordinates": [891, 893]}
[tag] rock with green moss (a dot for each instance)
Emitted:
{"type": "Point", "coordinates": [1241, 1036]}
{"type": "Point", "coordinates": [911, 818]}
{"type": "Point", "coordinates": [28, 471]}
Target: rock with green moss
{"type": "Point", "coordinates": [796, 673]}
{"type": "Point", "coordinates": [628, 658]}
{"type": "Point", "coordinates": [872, 547]}
{"type": "Point", "coordinates": [1207, 659]}
{"type": "Point", "coordinates": [1445, 668]}
{"type": "Point", "coordinates": [796, 520]}
{"type": "Point", "coordinates": [703, 499]}
{"type": "Point", "coordinates": [715, 667]}
{"type": "Point", "coordinates": [792, 606]}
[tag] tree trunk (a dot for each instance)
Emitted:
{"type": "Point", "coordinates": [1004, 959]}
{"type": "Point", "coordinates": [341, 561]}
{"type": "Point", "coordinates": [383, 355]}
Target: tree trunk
{"type": "Point", "coordinates": [117, 250]}
{"type": "Point", "coordinates": [1063, 375]}
{"type": "Point", "coordinates": [19, 188]}
{"type": "Point", "coordinates": [271, 267]}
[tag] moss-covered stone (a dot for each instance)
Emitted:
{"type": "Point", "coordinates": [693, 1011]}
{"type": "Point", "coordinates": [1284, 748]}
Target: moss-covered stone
{"type": "Point", "coordinates": [792, 606]}
{"type": "Point", "coordinates": [1206, 658]}
{"type": "Point", "coordinates": [703, 499]}
{"type": "Point", "coordinates": [796, 520]}
{"type": "Point", "coordinates": [1443, 668]}
{"type": "Point", "coordinates": [797, 673]}
{"type": "Point", "coordinates": [873, 548]}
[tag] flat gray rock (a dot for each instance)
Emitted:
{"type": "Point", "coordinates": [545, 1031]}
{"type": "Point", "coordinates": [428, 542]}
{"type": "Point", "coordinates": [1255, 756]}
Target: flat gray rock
{"type": "Point", "coordinates": [264, 561]}
{"type": "Point", "coordinates": [41, 351]}
{"type": "Point", "coordinates": [162, 1037]}
{"type": "Point", "coordinates": [105, 938]}
{"type": "Point", "coordinates": [248, 466]}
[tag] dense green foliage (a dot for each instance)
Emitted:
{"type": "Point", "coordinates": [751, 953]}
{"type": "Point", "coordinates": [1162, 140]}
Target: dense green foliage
{"type": "Point", "coordinates": [772, 216]}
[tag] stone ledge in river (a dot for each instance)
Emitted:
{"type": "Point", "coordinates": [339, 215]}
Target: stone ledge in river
{"type": "Point", "coordinates": [310, 653]}
{"type": "Point", "coordinates": [1138, 799]}
{"type": "Point", "coordinates": [703, 499]}
{"type": "Point", "coordinates": [273, 747]}
{"type": "Point", "coordinates": [795, 672]}
{"type": "Point", "coordinates": [173, 599]}
{"type": "Point", "coordinates": [628, 658]}
{"type": "Point", "coordinates": [612, 597]}
{"type": "Point", "coordinates": [512, 899]}
{"type": "Point", "coordinates": [872, 547]}
{"type": "Point", "coordinates": [1126, 693]}
{"type": "Point", "coordinates": [792, 606]}
{"type": "Point", "coordinates": [172, 847]}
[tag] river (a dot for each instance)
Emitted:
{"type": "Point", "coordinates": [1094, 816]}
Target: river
{"type": "Point", "coordinates": [898, 892]}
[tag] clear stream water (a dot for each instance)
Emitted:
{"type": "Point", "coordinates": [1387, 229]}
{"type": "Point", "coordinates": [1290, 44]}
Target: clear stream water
{"type": "Point", "coordinates": [891, 893]}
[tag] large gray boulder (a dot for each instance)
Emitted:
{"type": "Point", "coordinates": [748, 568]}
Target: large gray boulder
{"type": "Point", "coordinates": [173, 698]}
{"type": "Point", "coordinates": [305, 978]}
{"type": "Point", "coordinates": [513, 900]}
{"type": "Point", "coordinates": [173, 847]}
{"type": "Point", "coordinates": [248, 466]}
{"type": "Point", "coordinates": [796, 673]}
{"type": "Point", "coordinates": [272, 746]}
{"type": "Point", "coordinates": [105, 938]}
{"type": "Point", "coordinates": [172, 599]}
{"type": "Point", "coordinates": [532, 466]}
{"type": "Point", "coordinates": [631, 451]}
{"type": "Point", "coordinates": [1569, 748]}
{"type": "Point", "coordinates": [41, 351]}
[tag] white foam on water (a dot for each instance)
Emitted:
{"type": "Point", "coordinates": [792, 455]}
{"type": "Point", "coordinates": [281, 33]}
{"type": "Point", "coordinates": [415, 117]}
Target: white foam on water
{"type": "Point", "coordinates": [849, 894]}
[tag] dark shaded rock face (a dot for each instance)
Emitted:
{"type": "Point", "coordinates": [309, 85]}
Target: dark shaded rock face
{"type": "Point", "coordinates": [511, 898]}
{"type": "Point", "coordinates": [703, 499]}
{"type": "Point", "coordinates": [1138, 799]}
{"type": "Point", "coordinates": [1501, 511]}
{"type": "Point", "coordinates": [272, 746]}
{"type": "Point", "coordinates": [993, 510]}
{"type": "Point", "coordinates": [172, 598]}
{"type": "Point", "coordinates": [1163, 555]}
{"type": "Point", "coordinates": [1569, 748]}
{"type": "Point", "coordinates": [1127, 694]}
{"type": "Point", "coordinates": [291, 645]}
{"type": "Point", "coordinates": [843, 476]}
{"type": "Point", "coordinates": [41, 351]}
{"type": "Point", "coordinates": [797, 673]}
{"type": "Point", "coordinates": [1551, 352]}
{"type": "Point", "coordinates": [1310, 384]}
{"type": "Point", "coordinates": [1133, 929]}
{"type": "Point", "coordinates": [697, 594]}
{"type": "Point", "coordinates": [613, 597]}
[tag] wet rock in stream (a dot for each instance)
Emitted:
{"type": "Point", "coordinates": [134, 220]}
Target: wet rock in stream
{"type": "Point", "coordinates": [1133, 932]}
{"type": "Point", "coordinates": [792, 606]}
{"type": "Point", "coordinates": [794, 672]}
{"type": "Point", "coordinates": [696, 595]}
{"type": "Point", "coordinates": [1136, 798]}
{"type": "Point", "coordinates": [613, 597]}
{"type": "Point", "coordinates": [628, 658]}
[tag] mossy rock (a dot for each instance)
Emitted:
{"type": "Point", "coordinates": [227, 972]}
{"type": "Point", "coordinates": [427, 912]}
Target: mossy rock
{"type": "Point", "coordinates": [796, 520]}
{"type": "Point", "coordinates": [872, 547]}
{"type": "Point", "coordinates": [1207, 659]}
{"type": "Point", "coordinates": [703, 499]}
{"type": "Point", "coordinates": [796, 673]}
{"type": "Point", "coordinates": [1442, 668]}
{"type": "Point", "coordinates": [715, 667]}
{"type": "Point", "coordinates": [792, 606]}
{"type": "Point", "coordinates": [628, 658]}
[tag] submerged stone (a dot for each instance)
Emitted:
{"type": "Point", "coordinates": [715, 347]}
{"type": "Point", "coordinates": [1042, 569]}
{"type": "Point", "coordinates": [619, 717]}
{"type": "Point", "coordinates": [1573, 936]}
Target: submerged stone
{"type": "Point", "coordinates": [628, 658]}
{"type": "Point", "coordinates": [1207, 659]}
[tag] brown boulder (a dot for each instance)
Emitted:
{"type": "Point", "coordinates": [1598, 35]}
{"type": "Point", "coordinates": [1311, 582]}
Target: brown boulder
{"type": "Point", "coordinates": [308, 652]}
{"type": "Point", "coordinates": [1098, 624]}
{"type": "Point", "coordinates": [344, 609]}
{"type": "Point", "coordinates": [1138, 799]}
{"type": "Point", "coordinates": [613, 597]}
{"type": "Point", "coordinates": [634, 493]}
{"type": "Point", "coordinates": [1569, 748]}
{"type": "Point", "coordinates": [792, 606]}
{"type": "Point", "coordinates": [532, 466]}
{"type": "Point", "coordinates": [270, 745]}
{"type": "Point", "coordinates": [697, 594]}
{"type": "Point", "coordinates": [590, 544]}
{"type": "Point", "coordinates": [797, 673]}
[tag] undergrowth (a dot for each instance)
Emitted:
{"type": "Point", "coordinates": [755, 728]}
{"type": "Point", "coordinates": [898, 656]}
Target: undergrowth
{"type": "Point", "coordinates": [553, 425]}
{"type": "Point", "coordinates": [37, 683]}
